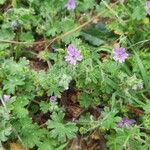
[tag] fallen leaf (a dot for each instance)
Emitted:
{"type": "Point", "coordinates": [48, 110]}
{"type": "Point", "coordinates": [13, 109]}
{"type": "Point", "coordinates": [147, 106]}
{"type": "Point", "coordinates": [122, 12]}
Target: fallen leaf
{"type": "Point", "coordinates": [16, 146]}
{"type": "Point", "coordinates": [96, 135]}
{"type": "Point", "coordinates": [75, 144]}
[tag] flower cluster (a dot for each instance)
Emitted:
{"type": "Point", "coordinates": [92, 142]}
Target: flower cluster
{"type": "Point", "coordinates": [73, 55]}
{"type": "Point", "coordinates": [119, 54]}
{"type": "Point", "coordinates": [71, 4]}
{"type": "Point", "coordinates": [125, 121]}
{"type": "Point", "coordinates": [148, 7]}
{"type": "Point", "coordinates": [53, 99]}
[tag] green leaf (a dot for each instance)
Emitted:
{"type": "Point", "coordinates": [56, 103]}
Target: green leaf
{"type": "Point", "coordinates": [126, 138]}
{"type": "Point", "coordinates": [5, 127]}
{"type": "Point", "coordinates": [47, 145]}
{"type": "Point", "coordinates": [85, 100]}
{"type": "Point", "coordinates": [27, 37]}
{"type": "Point", "coordinates": [92, 39]}
{"type": "Point", "coordinates": [60, 130]}
{"type": "Point", "coordinates": [138, 13]}
{"type": "Point", "coordinates": [19, 107]}
{"type": "Point", "coordinates": [109, 118]}
{"type": "Point", "coordinates": [32, 136]}
{"type": "Point", "coordinates": [97, 34]}
{"type": "Point", "coordinates": [5, 35]}
{"type": "Point", "coordinates": [30, 133]}
{"type": "Point", "coordinates": [146, 107]}
{"type": "Point", "coordinates": [44, 106]}
{"type": "Point", "coordinates": [61, 147]}
{"type": "Point", "coordinates": [11, 84]}
{"type": "Point", "coordinates": [86, 5]}
{"type": "Point", "coordinates": [5, 131]}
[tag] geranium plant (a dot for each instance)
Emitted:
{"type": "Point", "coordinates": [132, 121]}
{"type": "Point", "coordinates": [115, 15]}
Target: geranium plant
{"type": "Point", "coordinates": [72, 70]}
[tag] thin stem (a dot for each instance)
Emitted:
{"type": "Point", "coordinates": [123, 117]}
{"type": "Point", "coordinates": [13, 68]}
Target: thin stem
{"type": "Point", "coordinates": [3, 103]}
{"type": "Point", "coordinates": [1, 146]}
{"type": "Point", "coordinates": [126, 141]}
{"type": "Point", "coordinates": [50, 41]}
{"type": "Point", "coordinates": [140, 42]}
{"type": "Point", "coordinates": [49, 64]}
{"type": "Point", "coordinates": [113, 12]}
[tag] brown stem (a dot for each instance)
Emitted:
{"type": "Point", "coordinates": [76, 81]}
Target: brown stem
{"type": "Point", "coordinates": [50, 41]}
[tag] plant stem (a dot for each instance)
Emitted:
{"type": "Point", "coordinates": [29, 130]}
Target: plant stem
{"type": "Point", "coordinates": [140, 42]}
{"type": "Point", "coordinates": [50, 41]}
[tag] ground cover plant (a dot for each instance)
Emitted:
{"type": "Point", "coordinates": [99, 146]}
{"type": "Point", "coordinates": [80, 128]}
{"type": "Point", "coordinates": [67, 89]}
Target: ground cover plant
{"type": "Point", "coordinates": [75, 74]}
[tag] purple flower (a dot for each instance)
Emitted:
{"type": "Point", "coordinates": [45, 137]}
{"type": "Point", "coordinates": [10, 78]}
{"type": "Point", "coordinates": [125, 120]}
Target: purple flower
{"type": "Point", "coordinates": [52, 99]}
{"type": "Point", "coordinates": [148, 7]}
{"type": "Point", "coordinates": [73, 55]}
{"type": "Point", "coordinates": [119, 54]}
{"type": "Point", "coordinates": [125, 121]}
{"type": "Point", "coordinates": [6, 98]}
{"type": "Point", "coordinates": [71, 4]}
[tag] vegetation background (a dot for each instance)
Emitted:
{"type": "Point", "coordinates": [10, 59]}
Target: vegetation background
{"type": "Point", "coordinates": [74, 74]}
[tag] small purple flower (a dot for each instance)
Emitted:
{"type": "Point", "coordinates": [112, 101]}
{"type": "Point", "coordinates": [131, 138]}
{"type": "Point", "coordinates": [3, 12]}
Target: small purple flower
{"type": "Point", "coordinates": [71, 4]}
{"type": "Point", "coordinates": [148, 7]}
{"type": "Point", "coordinates": [71, 60]}
{"type": "Point", "coordinates": [6, 98]}
{"type": "Point", "coordinates": [53, 99]}
{"type": "Point", "coordinates": [73, 55]}
{"type": "Point", "coordinates": [119, 54]}
{"type": "Point", "coordinates": [126, 121]}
